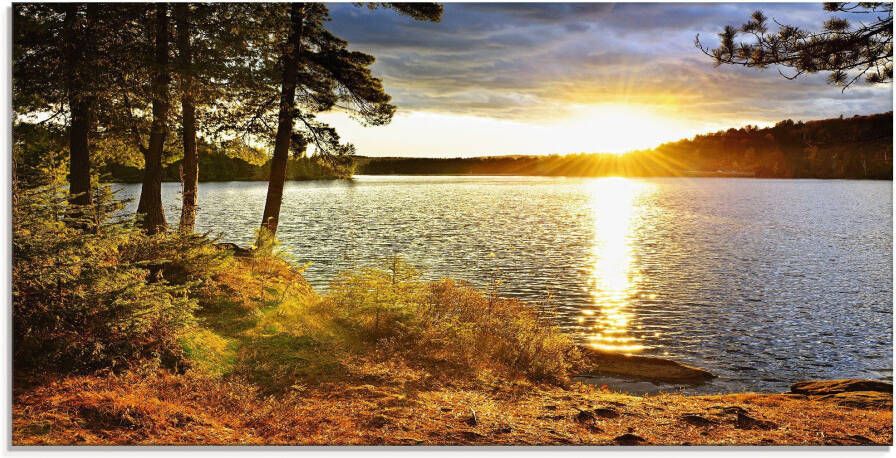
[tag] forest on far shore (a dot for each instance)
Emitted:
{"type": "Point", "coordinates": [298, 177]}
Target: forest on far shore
{"type": "Point", "coordinates": [857, 147]}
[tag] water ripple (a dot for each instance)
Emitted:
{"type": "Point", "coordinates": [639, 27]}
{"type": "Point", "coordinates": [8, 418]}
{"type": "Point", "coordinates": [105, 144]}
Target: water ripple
{"type": "Point", "coordinates": [764, 282]}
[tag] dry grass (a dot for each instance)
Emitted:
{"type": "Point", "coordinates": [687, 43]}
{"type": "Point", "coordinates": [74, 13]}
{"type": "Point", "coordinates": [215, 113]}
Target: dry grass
{"type": "Point", "coordinates": [260, 320]}
{"type": "Point", "coordinates": [386, 358]}
{"type": "Point", "coordinates": [161, 408]}
{"type": "Point", "coordinates": [444, 326]}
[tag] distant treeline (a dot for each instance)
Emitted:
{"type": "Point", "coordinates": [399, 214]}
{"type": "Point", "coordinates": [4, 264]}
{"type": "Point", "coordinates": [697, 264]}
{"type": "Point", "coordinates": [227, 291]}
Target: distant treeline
{"type": "Point", "coordinates": [43, 145]}
{"type": "Point", "coordinates": [218, 166]}
{"type": "Point", "coordinates": [857, 147]}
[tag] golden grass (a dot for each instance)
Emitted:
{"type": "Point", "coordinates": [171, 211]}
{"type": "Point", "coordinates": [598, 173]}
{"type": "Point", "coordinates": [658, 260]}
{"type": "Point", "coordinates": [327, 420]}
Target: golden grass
{"type": "Point", "coordinates": [386, 358]}
{"type": "Point", "coordinates": [163, 408]}
{"type": "Point", "coordinates": [260, 319]}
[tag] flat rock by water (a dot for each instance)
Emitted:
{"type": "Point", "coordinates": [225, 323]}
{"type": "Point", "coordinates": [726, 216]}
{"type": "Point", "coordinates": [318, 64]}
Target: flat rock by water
{"type": "Point", "coordinates": [641, 367]}
{"type": "Point", "coordinates": [237, 250]}
{"type": "Point", "coordinates": [862, 399]}
{"type": "Point", "coordinates": [828, 387]}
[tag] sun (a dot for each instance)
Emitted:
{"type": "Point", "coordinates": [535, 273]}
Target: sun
{"type": "Point", "coordinates": [621, 128]}
{"type": "Point", "coordinates": [614, 128]}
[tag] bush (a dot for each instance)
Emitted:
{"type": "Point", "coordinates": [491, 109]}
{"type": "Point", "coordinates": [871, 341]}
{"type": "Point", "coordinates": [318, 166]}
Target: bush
{"type": "Point", "coordinates": [92, 291]}
{"type": "Point", "coordinates": [446, 324]}
{"type": "Point", "coordinates": [507, 331]}
{"type": "Point", "coordinates": [376, 303]}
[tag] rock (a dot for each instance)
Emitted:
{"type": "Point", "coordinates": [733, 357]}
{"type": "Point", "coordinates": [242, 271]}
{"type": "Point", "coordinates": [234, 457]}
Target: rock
{"type": "Point", "coordinates": [641, 367]}
{"type": "Point", "coordinates": [378, 421]}
{"type": "Point", "coordinates": [745, 421]}
{"type": "Point", "coordinates": [584, 416]}
{"type": "Point", "coordinates": [697, 420]}
{"type": "Point", "coordinates": [862, 399]}
{"type": "Point", "coordinates": [825, 387]}
{"type": "Point", "coordinates": [861, 439]}
{"type": "Point", "coordinates": [504, 430]}
{"type": "Point", "coordinates": [409, 441]}
{"type": "Point", "coordinates": [731, 410]}
{"type": "Point", "coordinates": [236, 249]}
{"type": "Point", "coordinates": [854, 439]}
{"type": "Point", "coordinates": [472, 420]}
{"type": "Point", "coordinates": [470, 436]}
{"type": "Point", "coordinates": [606, 412]}
{"type": "Point", "coordinates": [629, 439]}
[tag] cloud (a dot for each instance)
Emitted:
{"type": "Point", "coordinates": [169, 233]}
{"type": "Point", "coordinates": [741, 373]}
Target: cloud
{"type": "Point", "coordinates": [534, 61]}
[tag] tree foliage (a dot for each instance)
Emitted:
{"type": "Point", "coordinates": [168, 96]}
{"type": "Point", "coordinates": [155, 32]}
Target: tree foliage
{"type": "Point", "coordinates": [111, 73]}
{"type": "Point", "coordinates": [81, 295]}
{"type": "Point", "coordinates": [329, 77]}
{"type": "Point", "coordinates": [855, 42]}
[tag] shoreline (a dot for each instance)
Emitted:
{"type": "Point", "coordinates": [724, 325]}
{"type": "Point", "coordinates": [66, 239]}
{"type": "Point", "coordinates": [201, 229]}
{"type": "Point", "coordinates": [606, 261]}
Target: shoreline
{"type": "Point", "coordinates": [271, 362]}
{"type": "Point", "coordinates": [644, 375]}
{"type": "Point", "coordinates": [163, 408]}
{"type": "Point", "coordinates": [499, 175]}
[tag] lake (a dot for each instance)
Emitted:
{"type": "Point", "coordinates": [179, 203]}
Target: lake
{"type": "Point", "coordinates": [763, 282]}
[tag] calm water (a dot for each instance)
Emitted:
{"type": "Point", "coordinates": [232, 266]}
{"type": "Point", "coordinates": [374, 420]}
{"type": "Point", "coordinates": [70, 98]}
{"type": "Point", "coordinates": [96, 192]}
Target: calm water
{"type": "Point", "coordinates": [764, 282]}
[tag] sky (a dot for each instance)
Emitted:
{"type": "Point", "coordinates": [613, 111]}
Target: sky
{"type": "Point", "coordinates": [558, 78]}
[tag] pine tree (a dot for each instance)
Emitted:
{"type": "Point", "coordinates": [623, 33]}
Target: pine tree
{"type": "Point", "coordinates": [190, 171]}
{"type": "Point", "coordinates": [150, 203]}
{"type": "Point", "coordinates": [315, 72]}
{"type": "Point", "coordinates": [55, 62]}
{"type": "Point", "coordinates": [846, 50]}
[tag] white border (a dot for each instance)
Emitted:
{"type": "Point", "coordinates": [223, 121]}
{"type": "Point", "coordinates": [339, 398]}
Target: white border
{"type": "Point", "coordinates": [5, 426]}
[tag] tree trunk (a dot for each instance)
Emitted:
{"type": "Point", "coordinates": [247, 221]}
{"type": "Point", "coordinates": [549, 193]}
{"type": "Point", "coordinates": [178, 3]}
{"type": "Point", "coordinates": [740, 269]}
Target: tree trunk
{"type": "Point", "coordinates": [291, 56]}
{"type": "Point", "coordinates": [150, 205]}
{"type": "Point", "coordinates": [190, 172]}
{"type": "Point", "coordinates": [79, 151]}
{"type": "Point", "coordinates": [80, 104]}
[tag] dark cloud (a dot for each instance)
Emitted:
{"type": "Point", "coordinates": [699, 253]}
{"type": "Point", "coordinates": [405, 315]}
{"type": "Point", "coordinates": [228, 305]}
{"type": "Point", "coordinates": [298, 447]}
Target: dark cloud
{"type": "Point", "coordinates": [532, 60]}
{"type": "Point", "coordinates": [551, 13]}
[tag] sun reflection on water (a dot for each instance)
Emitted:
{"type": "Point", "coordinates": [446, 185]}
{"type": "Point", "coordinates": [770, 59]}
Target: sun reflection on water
{"type": "Point", "coordinates": [614, 205]}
